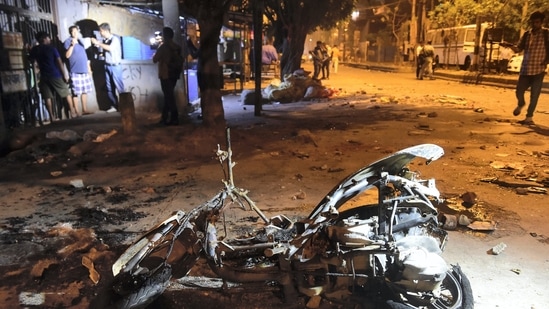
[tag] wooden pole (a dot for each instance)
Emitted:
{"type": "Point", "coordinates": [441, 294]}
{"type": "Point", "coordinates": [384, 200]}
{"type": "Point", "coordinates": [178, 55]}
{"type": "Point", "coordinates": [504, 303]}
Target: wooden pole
{"type": "Point", "coordinates": [258, 38]}
{"type": "Point", "coordinates": [3, 131]}
{"type": "Point", "coordinates": [127, 112]}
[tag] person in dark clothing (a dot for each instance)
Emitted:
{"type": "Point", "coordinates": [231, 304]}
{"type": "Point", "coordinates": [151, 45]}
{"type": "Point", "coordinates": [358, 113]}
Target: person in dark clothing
{"type": "Point", "coordinates": [535, 44]}
{"type": "Point", "coordinates": [52, 72]}
{"type": "Point", "coordinates": [326, 60]}
{"type": "Point", "coordinates": [316, 53]}
{"type": "Point", "coordinates": [170, 65]}
{"type": "Point", "coordinates": [420, 58]}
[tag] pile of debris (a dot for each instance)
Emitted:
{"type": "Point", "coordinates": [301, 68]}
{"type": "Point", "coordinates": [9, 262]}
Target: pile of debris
{"type": "Point", "coordinates": [295, 87]}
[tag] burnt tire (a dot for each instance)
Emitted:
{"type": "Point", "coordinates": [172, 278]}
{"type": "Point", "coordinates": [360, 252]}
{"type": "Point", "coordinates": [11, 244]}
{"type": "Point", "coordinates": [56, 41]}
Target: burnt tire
{"type": "Point", "coordinates": [466, 64]}
{"type": "Point", "coordinates": [456, 293]}
{"type": "Point", "coordinates": [468, 300]}
{"type": "Point", "coordinates": [128, 291]}
{"type": "Point", "coordinates": [138, 291]}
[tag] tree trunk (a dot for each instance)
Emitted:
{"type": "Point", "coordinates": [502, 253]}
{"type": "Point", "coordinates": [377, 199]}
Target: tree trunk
{"type": "Point", "coordinates": [293, 47]}
{"type": "Point", "coordinates": [210, 77]}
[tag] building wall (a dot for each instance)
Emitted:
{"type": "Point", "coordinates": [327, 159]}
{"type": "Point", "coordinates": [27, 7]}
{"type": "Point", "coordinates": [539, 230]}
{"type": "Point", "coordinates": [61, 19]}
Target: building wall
{"type": "Point", "coordinates": [140, 76]}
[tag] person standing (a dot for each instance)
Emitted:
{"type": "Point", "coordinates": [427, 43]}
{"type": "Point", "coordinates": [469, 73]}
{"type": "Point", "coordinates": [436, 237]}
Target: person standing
{"type": "Point", "coordinates": [335, 58]}
{"type": "Point", "coordinates": [113, 56]}
{"type": "Point", "coordinates": [79, 69]}
{"type": "Point", "coordinates": [170, 65]}
{"type": "Point", "coordinates": [428, 53]}
{"type": "Point", "coordinates": [316, 54]}
{"type": "Point", "coordinates": [420, 58]}
{"type": "Point", "coordinates": [52, 72]}
{"type": "Point", "coordinates": [326, 60]}
{"type": "Point", "coordinates": [535, 44]}
{"type": "Point", "coordinates": [505, 53]}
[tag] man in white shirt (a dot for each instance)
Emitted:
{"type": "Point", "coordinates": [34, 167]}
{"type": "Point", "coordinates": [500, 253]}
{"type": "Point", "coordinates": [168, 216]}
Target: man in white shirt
{"type": "Point", "coordinates": [113, 56]}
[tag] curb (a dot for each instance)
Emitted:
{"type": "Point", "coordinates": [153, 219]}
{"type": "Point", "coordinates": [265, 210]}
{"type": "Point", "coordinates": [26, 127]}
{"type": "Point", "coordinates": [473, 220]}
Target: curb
{"type": "Point", "coordinates": [466, 77]}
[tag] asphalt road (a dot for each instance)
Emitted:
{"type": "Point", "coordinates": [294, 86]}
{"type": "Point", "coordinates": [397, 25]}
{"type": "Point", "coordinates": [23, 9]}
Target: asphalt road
{"type": "Point", "coordinates": [378, 111]}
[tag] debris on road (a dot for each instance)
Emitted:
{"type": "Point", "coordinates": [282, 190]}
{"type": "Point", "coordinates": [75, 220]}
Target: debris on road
{"type": "Point", "coordinates": [483, 226]}
{"type": "Point", "coordinates": [299, 195]}
{"type": "Point", "coordinates": [469, 199]}
{"type": "Point", "coordinates": [103, 137]}
{"type": "Point", "coordinates": [446, 98]}
{"type": "Point", "coordinates": [77, 183]}
{"type": "Point", "coordinates": [449, 222]}
{"type": "Point", "coordinates": [88, 263]}
{"type": "Point", "coordinates": [506, 166]}
{"type": "Point", "coordinates": [65, 135]}
{"type": "Point", "coordinates": [464, 220]}
{"type": "Point", "coordinates": [498, 249]}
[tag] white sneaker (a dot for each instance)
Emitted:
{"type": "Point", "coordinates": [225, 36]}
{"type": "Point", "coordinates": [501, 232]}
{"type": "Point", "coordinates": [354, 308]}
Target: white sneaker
{"type": "Point", "coordinates": [111, 110]}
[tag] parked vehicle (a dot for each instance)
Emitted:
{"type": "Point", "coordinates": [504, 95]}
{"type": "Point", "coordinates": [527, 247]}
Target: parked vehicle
{"type": "Point", "coordinates": [456, 45]}
{"type": "Point", "coordinates": [515, 63]}
{"type": "Point", "coordinates": [355, 248]}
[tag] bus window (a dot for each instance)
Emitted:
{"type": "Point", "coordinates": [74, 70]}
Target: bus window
{"type": "Point", "coordinates": [460, 35]}
{"type": "Point", "coordinates": [438, 37]}
{"type": "Point", "coordinates": [470, 35]}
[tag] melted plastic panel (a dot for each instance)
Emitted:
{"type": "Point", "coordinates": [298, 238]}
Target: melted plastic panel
{"type": "Point", "coordinates": [364, 178]}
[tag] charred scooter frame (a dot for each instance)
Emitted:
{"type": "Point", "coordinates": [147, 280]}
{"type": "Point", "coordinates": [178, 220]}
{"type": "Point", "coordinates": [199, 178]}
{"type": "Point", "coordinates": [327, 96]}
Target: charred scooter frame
{"type": "Point", "coordinates": [381, 254]}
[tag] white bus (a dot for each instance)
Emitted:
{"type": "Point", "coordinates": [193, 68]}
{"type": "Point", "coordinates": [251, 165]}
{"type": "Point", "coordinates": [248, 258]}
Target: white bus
{"type": "Point", "coordinates": [456, 45]}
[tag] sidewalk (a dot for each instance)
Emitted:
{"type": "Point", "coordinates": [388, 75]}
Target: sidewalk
{"type": "Point", "coordinates": [489, 79]}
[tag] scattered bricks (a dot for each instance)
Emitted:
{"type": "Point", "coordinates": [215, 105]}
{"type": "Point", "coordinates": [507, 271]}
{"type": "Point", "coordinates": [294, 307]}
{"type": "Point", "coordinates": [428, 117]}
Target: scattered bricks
{"type": "Point", "coordinates": [449, 222]}
{"type": "Point", "coordinates": [464, 220]}
{"type": "Point", "coordinates": [521, 191]}
{"type": "Point", "coordinates": [299, 195]}
{"type": "Point", "coordinates": [469, 199]}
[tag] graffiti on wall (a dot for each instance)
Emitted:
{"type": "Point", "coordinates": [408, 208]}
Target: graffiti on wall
{"type": "Point", "coordinates": [140, 80]}
{"type": "Point", "coordinates": [131, 72]}
{"type": "Point", "coordinates": [138, 94]}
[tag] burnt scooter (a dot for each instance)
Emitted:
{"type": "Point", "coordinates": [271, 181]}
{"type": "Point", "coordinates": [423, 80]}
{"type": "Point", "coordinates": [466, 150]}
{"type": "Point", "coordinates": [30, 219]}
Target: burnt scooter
{"type": "Point", "coordinates": [381, 252]}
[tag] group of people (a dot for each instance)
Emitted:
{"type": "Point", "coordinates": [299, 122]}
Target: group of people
{"type": "Point", "coordinates": [425, 54]}
{"type": "Point", "coordinates": [534, 43]}
{"type": "Point", "coordinates": [77, 82]}
{"type": "Point", "coordinates": [323, 55]}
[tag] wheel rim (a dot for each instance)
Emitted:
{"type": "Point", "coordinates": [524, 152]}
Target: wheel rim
{"type": "Point", "coordinates": [451, 296]}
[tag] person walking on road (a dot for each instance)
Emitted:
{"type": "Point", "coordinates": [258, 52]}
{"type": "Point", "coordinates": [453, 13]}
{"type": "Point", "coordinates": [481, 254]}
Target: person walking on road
{"type": "Point", "coordinates": [113, 71]}
{"type": "Point", "coordinates": [535, 44]}
{"type": "Point", "coordinates": [170, 65]}
{"type": "Point", "coordinates": [79, 68]}
{"type": "Point", "coordinates": [52, 73]}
